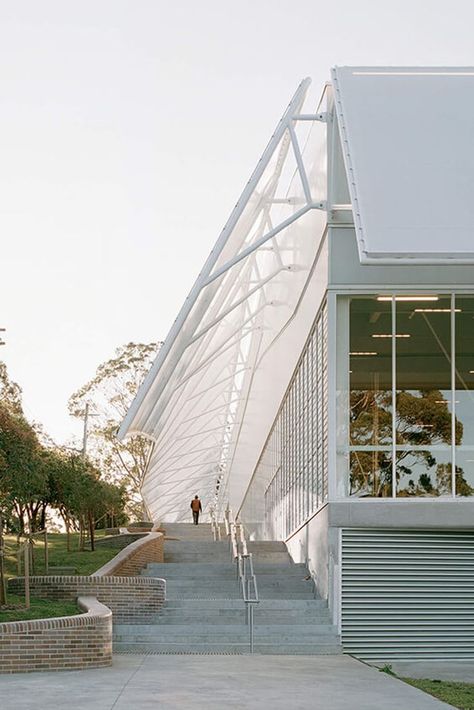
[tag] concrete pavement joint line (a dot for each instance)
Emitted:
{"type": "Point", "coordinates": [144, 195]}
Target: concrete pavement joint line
{"type": "Point", "coordinates": [130, 678]}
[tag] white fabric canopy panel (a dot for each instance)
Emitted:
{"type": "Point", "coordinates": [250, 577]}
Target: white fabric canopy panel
{"type": "Point", "coordinates": [219, 352]}
{"type": "Point", "coordinates": [407, 142]}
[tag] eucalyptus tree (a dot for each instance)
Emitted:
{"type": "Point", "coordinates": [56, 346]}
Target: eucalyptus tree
{"type": "Point", "coordinates": [108, 396]}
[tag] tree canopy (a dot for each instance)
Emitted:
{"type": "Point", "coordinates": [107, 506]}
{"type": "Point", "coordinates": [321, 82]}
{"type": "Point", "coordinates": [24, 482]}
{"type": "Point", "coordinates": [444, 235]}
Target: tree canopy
{"type": "Point", "coordinates": [37, 476]}
{"type": "Point", "coordinates": [109, 394]}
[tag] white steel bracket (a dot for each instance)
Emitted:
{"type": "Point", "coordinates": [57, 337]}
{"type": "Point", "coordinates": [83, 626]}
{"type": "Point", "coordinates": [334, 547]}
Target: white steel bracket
{"type": "Point", "coordinates": [323, 117]}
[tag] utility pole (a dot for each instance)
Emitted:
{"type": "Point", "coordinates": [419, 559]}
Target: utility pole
{"type": "Point", "coordinates": [84, 438]}
{"type": "Point", "coordinates": [87, 414]}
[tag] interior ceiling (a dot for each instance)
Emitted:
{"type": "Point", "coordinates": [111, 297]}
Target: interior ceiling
{"type": "Point", "coordinates": [423, 359]}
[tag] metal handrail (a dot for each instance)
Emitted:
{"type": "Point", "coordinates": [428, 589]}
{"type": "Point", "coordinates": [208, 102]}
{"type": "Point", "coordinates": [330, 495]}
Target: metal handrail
{"type": "Point", "coordinates": [245, 572]}
{"type": "Point", "coordinates": [215, 527]}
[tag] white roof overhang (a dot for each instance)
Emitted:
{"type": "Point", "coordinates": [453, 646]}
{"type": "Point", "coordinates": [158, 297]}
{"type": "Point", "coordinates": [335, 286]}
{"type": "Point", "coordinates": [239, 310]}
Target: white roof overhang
{"type": "Point", "coordinates": [406, 136]}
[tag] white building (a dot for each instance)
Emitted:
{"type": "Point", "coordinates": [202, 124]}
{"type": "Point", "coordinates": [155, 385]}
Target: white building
{"type": "Point", "coordinates": [320, 374]}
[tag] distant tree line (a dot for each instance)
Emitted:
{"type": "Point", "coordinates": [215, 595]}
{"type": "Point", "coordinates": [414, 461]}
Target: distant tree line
{"type": "Point", "coordinates": [37, 477]}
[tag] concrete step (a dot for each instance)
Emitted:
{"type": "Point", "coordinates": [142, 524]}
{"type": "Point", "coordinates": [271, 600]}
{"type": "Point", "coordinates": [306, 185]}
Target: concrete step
{"type": "Point", "coordinates": [267, 604]}
{"type": "Point", "coordinates": [222, 585]}
{"type": "Point", "coordinates": [186, 526]}
{"type": "Point", "coordinates": [189, 530]}
{"type": "Point", "coordinates": [200, 559]}
{"type": "Point", "coordinates": [204, 631]}
{"type": "Point", "coordinates": [293, 580]}
{"type": "Point", "coordinates": [196, 592]}
{"type": "Point", "coordinates": [268, 545]}
{"type": "Point", "coordinates": [307, 649]}
{"type": "Point", "coordinates": [224, 573]}
{"type": "Point", "coordinates": [235, 616]}
{"type": "Point", "coordinates": [264, 581]}
{"type": "Point", "coordinates": [223, 596]}
{"type": "Point", "coordinates": [174, 547]}
{"type": "Point", "coordinates": [194, 543]}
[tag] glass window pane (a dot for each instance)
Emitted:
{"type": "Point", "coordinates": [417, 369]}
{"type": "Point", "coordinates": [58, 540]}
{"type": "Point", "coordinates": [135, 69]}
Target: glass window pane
{"type": "Point", "coordinates": [371, 473]}
{"type": "Point", "coordinates": [370, 400]}
{"type": "Point", "coordinates": [423, 412]}
{"type": "Point", "coordinates": [464, 396]}
{"type": "Point", "coordinates": [424, 473]}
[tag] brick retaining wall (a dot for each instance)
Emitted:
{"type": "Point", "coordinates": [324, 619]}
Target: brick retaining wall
{"type": "Point", "coordinates": [70, 642]}
{"type": "Point", "coordinates": [131, 560]}
{"type": "Point", "coordinates": [119, 541]}
{"type": "Point", "coordinates": [85, 640]}
{"type": "Point", "coordinates": [130, 599]}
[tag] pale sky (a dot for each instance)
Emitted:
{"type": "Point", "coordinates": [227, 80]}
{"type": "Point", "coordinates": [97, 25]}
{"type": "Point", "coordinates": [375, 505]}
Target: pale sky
{"type": "Point", "coordinates": [128, 129]}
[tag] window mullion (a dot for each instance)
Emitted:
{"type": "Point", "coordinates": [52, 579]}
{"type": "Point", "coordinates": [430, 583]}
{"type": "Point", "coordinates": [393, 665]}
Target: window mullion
{"type": "Point", "coordinates": [453, 396]}
{"type": "Point", "coordinates": [394, 398]}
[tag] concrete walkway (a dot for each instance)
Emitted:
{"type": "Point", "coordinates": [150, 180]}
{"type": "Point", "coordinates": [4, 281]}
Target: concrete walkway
{"type": "Point", "coordinates": [216, 683]}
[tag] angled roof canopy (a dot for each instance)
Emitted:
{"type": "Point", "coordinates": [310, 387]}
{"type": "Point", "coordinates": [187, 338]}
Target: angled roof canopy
{"type": "Point", "coordinates": [211, 396]}
{"type": "Point", "coordinates": [194, 399]}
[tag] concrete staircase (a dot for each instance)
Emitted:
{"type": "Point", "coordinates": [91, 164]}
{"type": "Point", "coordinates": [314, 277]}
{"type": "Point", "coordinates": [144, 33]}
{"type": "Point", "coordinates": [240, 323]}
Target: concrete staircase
{"type": "Point", "coordinates": [204, 611]}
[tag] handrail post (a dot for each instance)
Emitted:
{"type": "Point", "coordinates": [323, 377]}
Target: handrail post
{"type": "Point", "coordinates": [250, 604]}
{"type": "Point", "coordinates": [245, 572]}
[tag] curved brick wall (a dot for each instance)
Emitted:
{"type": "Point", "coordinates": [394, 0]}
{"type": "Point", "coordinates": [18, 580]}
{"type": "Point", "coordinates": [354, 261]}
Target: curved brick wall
{"type": "Point", "coordinates": [132, 559]}
{"type": "Point", "coordinates": [130, 599]}
{"type": "Point", "coordinates": [85, 640]}
{"type": "Point", "coordinates": [70, 642]}
{"type": "Point", "coordinates": [120, 540]}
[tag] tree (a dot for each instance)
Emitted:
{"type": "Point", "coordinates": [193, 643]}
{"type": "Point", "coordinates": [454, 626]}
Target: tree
{"type": "Point", "coordinates": [10, 392]}
{"type": "Point", "coordinates": [79, 494]}
{"type": "Point", "coordinates": [109, 395]}
{"type": "Point", "coordinates": [23, 478]}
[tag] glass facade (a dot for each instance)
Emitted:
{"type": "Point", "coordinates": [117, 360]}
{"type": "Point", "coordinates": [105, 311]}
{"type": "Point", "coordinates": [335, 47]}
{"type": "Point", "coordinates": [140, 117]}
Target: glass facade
{"type": "Point", "coordinates": [405, 403]}
{"type": "Point", "coordinates": [294, 459]}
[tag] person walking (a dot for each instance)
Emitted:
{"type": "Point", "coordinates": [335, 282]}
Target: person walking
{"type": "Point", "coordinates": [196, 507]}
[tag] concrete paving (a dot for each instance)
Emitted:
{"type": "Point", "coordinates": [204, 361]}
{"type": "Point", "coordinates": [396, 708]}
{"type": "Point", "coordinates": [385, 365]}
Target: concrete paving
{"type": "Point", "coordinates": [460, 671]}
{"type": "Point", "coordinates": [216, 683]}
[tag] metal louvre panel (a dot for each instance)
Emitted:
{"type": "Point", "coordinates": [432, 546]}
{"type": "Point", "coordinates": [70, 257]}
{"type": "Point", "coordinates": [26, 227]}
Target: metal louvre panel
{"type": "Point", "coordinates": [408, 594]}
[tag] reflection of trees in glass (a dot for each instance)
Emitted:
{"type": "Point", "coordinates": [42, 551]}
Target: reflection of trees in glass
{"type": "Point", "coordinates": [370, 417]}
{"type": "Point", "coordinates": [423, 419]}
{"type": "Point", "coordinates": [371, 425]}
{"type": "Point", "coordinates": [371, 474]}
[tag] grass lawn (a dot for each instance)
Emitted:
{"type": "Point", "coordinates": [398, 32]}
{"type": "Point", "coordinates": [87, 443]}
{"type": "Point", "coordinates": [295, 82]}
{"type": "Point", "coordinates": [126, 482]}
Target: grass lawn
{"type": "Point", "coordinates": [84, 562]}
{"type": "Point", "coordinates": [39, 609]}
{"type": "Point", "coordinates": [461, 695]}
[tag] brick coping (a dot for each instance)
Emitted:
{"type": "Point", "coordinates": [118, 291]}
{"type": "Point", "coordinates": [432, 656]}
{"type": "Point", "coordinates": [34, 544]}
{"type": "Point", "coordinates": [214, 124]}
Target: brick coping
{"type": "Point", "coordinates": [89, 579]}
{"type": "Point", "coordinates": [93, 610]}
